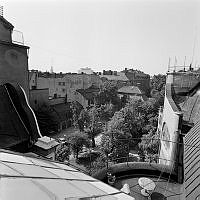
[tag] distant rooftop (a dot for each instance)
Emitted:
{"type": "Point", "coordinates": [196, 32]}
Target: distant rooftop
{"type": "Point", "coordinates": [118, 76]}
{"type": "Point", "coordinates": [130, 90]}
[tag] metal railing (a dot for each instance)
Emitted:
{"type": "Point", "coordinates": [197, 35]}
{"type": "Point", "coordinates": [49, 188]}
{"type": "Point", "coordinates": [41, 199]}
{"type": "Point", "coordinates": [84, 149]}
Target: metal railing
{"type": "Point", "coordinates": [128, 151]}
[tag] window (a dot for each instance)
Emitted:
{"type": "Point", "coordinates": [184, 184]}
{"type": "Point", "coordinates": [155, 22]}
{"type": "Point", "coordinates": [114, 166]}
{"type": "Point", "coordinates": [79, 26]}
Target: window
{"type": "Point", "coordinates": [165, 135]}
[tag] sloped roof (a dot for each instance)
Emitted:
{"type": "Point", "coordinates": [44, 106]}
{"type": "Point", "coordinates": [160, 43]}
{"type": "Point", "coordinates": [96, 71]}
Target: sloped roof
{"type": "Point", "coordinates": [60, 111]}
{"type": "Point", "coordinates": [8, 24]}
{"type": "Point", "coordinates": [190, 105]}
{"type": "Point", "coordinates": [191, 109]}
{"type": "Point", "coordinates": [89, 92]}
{"type": "Point", "coordinates": [192, 162]}
{"type": "Point", "coordinates": [17, 121]}
{"type": "Point", "coordinates": [24, 177]}
{"type": "Point", "coordinates": [130, 90]}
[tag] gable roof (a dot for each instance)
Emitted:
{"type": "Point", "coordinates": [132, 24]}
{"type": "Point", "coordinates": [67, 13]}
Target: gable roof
{"type": "Point", "coordinates": [130, 90]}
{"type": "Point", "coordinates": [8, 24]}
{"type": "Point", "coordinates": [89, 92]}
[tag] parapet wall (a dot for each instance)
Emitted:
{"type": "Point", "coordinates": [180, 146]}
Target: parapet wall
{"type": "Point", "coordinates": [170, 131]}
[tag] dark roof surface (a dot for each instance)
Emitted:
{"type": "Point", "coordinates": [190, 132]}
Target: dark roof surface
{"type": "Point", "coordinates": [89, 92]}
{"type": "Point", "coordinates": [10, 26]}
{"type": "Point", "coordinates": [184, 81]}
{"type": "Point", "coordinates": [191, 109]}
{"type": "Point", "coordinates": [59, 111]}
{"type": "Point", "coordinates": [190, 105]}
{"type": "Point", "coordinates": [192, 162]}
{"type": "Point", "coordinates": [17, 122]}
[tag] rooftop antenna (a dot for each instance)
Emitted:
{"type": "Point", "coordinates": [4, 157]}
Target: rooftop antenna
{"type": "Point", "coordinates": [169, 64]}
{"type": "Point", "coordinates": [175, 63]}
{"type": "Point", "coordinates": [195, 66]}
{"type": "Point", "coordinates": [194, 46]}
{"type": "Point", "coordinates": [184, 61]}
{"type": "Point", "coordinates": [184, 64]}
{"type": "Point", "coordinates": [1, 11]}
{"type": "Point", "coordinates": [51, 70]}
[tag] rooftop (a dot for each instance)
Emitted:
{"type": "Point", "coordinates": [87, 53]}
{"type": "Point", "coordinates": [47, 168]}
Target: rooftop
{"type": "Point", "coordinates": [120, 76]}
{"type": "Point", "coordinates": [8, 24]}
{"type": "Point", "coordinates": [191, 162]}
{"type": "Point", "coordinates": [24, 177]}
{"type": "Point", "coordinates": [130, 90]}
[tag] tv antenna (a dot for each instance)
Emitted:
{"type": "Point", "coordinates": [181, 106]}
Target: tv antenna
{"type": "Point", "coordinates": [194, 46]}
{"type": "Point", "coordinates": [1, 11]}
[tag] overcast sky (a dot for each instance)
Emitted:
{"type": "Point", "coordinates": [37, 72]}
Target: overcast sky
{"type": "Point", "coordinates": [107, 34]}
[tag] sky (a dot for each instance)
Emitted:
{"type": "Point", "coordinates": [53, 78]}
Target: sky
{"type": "Point", "coordinates": [107, 34]}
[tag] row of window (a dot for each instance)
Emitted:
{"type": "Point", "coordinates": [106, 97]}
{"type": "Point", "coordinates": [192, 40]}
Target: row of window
{"type": "Point", "coordinates": [61, 83]}
{"type": "Point", "coordinates": [74, 82]}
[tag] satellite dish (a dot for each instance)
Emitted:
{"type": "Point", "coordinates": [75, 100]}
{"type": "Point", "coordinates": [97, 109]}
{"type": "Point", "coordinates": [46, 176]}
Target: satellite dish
{"type": "Point", "coordinates": [126, 188]}
{"type": "Point", "coordinates": [145, 193]}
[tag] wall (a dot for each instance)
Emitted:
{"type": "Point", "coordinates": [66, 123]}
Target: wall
{"type": "Point", "coordinates": [169, 133]}
{"type": "Point", "coordinates": [140, 80]}
{"type": "Point", "coordinates": [131, 96]}
{"type": "Point", "coordinates": [32, 80]}
{"type": "Point", "coordinates": [38, 98]}
{"type": "Point", "coordinates": [14, 65]}
{"type": "Point", "coordinates": [68, 84]}
{"type": "Point", "coordinates": [183, 79]}
{"type": "Point", "coordinates": [5, 33]}
{"type": "Point", "coordinates": [56, 101]}
{"type": "Point", "coordinates": [79, 81]}
{"type": "Point", "coordinates": [79, 98]}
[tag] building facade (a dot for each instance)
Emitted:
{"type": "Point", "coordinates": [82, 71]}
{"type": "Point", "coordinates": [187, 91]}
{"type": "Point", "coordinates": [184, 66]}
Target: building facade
{"type": "Point", "coordinates": [63, 85]}
{"type": "Point", "coordinates": [13, 58]}
{"type": "Point", "coordinates": [139, 79]}
{"type": "Point", "coordinates": [85, 70]}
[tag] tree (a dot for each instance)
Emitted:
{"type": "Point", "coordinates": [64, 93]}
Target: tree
{"type": "Point", "coordinates": [83, 119]}
{"type": "Point", "coordinates": [158, 82]}
{"type": "Point", "coordinates": [158, 88]}
{"type": "Point", "coordinates": [108, 94]}
{"type": "Point", "coordinates": [106, 112]}
{"type": "Point", "coordinates": [149, 146]}
{"type": "Point", "coordinates": [62, 153]}
{"type": "Point", "coordinates": [75, 108]}
{"type": "Point", "coordinates": [97, 164]}
{"type": "Point", "coordinates": [77, 140]}
{"type": "Point", "coordinates": [46, 119]}
{"type": "Point", "coordinates": [91, 123]}
{"type": "Point", "coordinates": [115, 145]}
{"type": "Point", "coordinates": [129, 119]}
{"type": "Point", "coordinates": [136, 119]}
